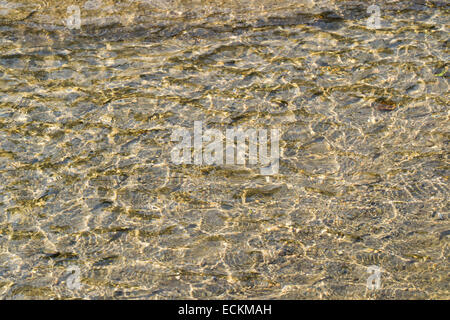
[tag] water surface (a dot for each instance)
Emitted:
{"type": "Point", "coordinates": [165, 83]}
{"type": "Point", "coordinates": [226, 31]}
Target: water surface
{"type": "Point", "coordinates": [86, 176]}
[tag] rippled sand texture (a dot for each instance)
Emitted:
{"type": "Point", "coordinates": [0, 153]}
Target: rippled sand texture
{"type": "Point", "coordinates": [86, 178]}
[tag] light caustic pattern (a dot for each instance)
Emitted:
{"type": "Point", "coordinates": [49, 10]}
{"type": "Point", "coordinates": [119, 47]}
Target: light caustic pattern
{"type": "Point", "coordinates": [91, 205]}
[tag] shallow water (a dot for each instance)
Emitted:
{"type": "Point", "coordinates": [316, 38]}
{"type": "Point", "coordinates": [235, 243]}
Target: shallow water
{"type": "Point", "coordinates": [87, 180]}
